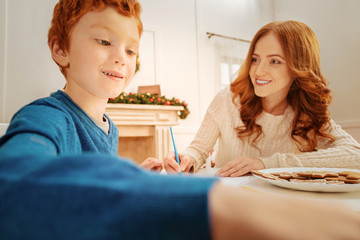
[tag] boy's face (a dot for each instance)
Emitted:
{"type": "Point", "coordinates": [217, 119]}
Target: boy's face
{"type": "Point", "coordinates": [102, 54]}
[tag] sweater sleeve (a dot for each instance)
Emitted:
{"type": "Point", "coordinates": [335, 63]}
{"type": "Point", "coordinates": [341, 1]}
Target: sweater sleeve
{"type": "Point", "coordinates": [203, 142]}
{"type": "Point", "coordinates": [32, 131]}
{"type": "Point", "coordinates": [97, 196]}
{"type": "Point", "coordinates": [208, 132]}
{"type": "Point", "coordinates": [344, 152]}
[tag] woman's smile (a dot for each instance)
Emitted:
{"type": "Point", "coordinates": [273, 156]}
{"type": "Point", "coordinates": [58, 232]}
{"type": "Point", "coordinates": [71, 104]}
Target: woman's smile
{"type": "Point", "coordinates": [261, 82]}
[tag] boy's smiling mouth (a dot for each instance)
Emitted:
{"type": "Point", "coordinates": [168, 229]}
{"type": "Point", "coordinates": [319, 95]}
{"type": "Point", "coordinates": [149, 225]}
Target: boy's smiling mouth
{"type": "Point", "coordinates": [114, 74]}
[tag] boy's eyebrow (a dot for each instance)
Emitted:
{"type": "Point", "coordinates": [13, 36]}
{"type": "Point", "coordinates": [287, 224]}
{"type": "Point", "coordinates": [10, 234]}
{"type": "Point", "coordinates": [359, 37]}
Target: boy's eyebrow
{"type": "Point", "coordinates": [99, 25]}
{"type": "Point", "coordinates": [271, 55]}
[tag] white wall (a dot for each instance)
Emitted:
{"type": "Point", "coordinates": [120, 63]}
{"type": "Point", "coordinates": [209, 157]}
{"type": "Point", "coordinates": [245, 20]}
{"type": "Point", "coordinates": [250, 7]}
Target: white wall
{"type": "Point", "coordinates": [2, 57]}
{"type": "Point", "coordinates": [177, 53]}
{"type": "Point", "coordinates": [187, 55]}
{"type": "Point", "coordinates": [29, 70]}
{"type": "Point", "coordinates": [234, 18]}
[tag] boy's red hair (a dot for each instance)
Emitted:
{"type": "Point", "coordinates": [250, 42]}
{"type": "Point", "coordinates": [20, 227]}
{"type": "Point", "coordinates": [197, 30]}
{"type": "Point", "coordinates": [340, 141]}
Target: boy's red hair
{"type": "Point", "coordinates": [68, 12]}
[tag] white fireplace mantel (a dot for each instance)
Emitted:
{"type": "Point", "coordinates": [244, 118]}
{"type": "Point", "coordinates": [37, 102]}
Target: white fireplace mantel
{"type": "Point", "coordinates": [143, 129]}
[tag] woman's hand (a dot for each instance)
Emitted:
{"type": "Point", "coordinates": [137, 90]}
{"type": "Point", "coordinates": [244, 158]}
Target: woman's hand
{"type": "Point", "coordinates": [171, 166]}
{"type": "Point", "coordinates": [240, 166]}
{"type": "Point", "coordinates": [152, 164]}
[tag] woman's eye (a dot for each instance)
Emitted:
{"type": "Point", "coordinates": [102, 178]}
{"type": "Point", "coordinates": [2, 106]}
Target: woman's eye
{"type": "Point", "coordinates": [254, 60]}
{"type": "Point", "coordinates": [104, 42]}
{"type": "Point", "coordinates": [275, 61]}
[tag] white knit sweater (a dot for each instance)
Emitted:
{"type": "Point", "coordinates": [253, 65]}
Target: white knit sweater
{"type": "Point", "coordinates": [276, 148]}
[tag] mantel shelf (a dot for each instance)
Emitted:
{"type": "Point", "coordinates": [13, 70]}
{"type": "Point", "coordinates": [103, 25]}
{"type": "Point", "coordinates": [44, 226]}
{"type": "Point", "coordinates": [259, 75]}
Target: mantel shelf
{"type": "Point", "coordinates": [143, 129]}
{"type": "Point", "coordinates": [143, 106]}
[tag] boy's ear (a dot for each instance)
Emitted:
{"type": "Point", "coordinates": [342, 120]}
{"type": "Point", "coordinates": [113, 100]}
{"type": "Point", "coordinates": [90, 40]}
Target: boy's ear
{"type": "Point", "coordinates": [58, 54]}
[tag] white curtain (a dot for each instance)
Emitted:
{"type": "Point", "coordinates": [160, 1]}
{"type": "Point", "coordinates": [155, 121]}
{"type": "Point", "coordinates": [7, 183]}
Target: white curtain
{"type": "Point", "coordinates": [230, 54]}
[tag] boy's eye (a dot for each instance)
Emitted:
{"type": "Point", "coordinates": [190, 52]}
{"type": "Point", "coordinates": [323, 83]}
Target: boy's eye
{"type": "Point", "coordinates": [130, 52]}
{"type": "Point", "coordinates": [104, 42]}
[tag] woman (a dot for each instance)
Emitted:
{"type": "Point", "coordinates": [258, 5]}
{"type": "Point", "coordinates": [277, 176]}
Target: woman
{"type": "Point", "coordinates": [275, 114]}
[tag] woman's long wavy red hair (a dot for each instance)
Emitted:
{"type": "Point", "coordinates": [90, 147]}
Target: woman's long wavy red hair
{"type": "Point", "coordinates": [68, 12]}
{"type": "Point", "coordinates": [309, 95]}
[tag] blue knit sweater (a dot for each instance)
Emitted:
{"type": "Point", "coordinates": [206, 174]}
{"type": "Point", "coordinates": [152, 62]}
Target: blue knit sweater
{"type": "Point", "coordinates": [59, 126]}
{"type": "Point", "coordinates": [60, 178]}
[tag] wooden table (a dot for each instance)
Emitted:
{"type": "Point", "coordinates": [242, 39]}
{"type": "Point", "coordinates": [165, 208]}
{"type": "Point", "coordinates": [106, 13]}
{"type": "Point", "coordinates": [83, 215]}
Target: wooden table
{"type": "Point", "coordinates": [143, 129]}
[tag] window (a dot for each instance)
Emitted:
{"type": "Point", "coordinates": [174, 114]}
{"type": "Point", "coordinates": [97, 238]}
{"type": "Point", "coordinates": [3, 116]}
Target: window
{"type": "Point", "coordinates": [229, 68]}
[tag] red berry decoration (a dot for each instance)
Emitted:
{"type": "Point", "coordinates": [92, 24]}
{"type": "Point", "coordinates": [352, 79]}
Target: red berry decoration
{"type": "Point", "coordinates": [149, 98]}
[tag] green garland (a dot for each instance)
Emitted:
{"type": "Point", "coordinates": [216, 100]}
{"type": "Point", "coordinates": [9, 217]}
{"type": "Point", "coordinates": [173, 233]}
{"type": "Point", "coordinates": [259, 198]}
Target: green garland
{"type": "Point", "coordinates": [148, 98]}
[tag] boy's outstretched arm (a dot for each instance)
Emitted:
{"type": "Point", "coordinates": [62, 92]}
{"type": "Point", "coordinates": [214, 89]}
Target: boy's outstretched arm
{"type": "Point", "coordinates": [102, 197]}
{"type": "Point", "coordinates": [97, 196]}
{"type": "Point", "coordinates": [245, 214]}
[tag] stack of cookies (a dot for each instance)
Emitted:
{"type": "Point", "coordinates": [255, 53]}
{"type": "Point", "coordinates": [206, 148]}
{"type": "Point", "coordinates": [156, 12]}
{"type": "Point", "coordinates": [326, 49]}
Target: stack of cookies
{"type": "Point", "coordinates": [326, 177]}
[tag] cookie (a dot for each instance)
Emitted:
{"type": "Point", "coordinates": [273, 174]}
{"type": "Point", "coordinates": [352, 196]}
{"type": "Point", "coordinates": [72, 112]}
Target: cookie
{"type": "Point", "coordinates": [345, 173]}
{"type": "Point", "coordinates": [352, 181]}
{"type": "Point", "coordinates": [354, 176]}
{"type": "Point", "coordinates": [264, 175]}
{"type": "Point", "coordinates": [269, 176]}
{"type": "Point", "coordinates": [326, 177]}
{"type": "Point", "coordinates": [305, 174]}
{"type": "Point", "coordinates": [286, 176]}
{"type": "Point", "coordinates": [321, 177]}
{"type": "Point", "coordinates": [297, 176]}
{"type": "Point", "coordinates": [318, 174]}
{"type": "Point", "coordinates": [331, 174]}
{"type": "Point", "coordinates": [332, 178]}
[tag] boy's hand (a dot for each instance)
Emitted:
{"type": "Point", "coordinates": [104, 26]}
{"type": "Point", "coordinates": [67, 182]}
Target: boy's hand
{"type": "Point", "coordinates": [171, 166]}
{"type": "Point", "coordinates": [152, 164]}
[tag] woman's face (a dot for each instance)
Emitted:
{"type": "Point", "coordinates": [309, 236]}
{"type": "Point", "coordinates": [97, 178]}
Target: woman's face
{"type": "Point", "coordinates": [269, 72]}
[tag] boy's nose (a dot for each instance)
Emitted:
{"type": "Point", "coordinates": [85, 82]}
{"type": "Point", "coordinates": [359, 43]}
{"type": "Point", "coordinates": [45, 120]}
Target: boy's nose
{"type": "Point", "coordinates": [119, 57]}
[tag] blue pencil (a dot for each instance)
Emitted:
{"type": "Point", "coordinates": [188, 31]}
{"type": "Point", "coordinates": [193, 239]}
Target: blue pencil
{"type": "Point", "coordinates": [176, 154]}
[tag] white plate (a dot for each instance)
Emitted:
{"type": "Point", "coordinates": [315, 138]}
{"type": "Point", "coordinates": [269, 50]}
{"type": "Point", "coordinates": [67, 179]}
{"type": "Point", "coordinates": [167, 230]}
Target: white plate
{"type": "Point", "coordinates": [314, 187]}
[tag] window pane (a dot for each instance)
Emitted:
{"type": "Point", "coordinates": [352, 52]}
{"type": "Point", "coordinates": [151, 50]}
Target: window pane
{"type": "Point", "coordinates": [224, 74]}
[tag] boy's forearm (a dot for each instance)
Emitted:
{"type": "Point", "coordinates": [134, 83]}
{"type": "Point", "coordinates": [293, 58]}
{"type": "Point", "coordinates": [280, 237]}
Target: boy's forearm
{"type": "Point", "coordinates": [99, 195]}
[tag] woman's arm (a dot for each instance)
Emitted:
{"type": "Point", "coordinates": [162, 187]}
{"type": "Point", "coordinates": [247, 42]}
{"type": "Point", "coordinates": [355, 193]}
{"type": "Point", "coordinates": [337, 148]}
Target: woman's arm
{"type": "Point", "coordinates": [196, 153]}
{"type": "Point", "coordinates": [204, 141]}
{"type": "Point", "coordinates": [344, 152]}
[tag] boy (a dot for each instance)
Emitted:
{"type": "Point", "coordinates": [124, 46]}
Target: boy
{"type": "Point", "coordinates": [98, 62]}
{"type": "Point", "coordinates": [60, 177]}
